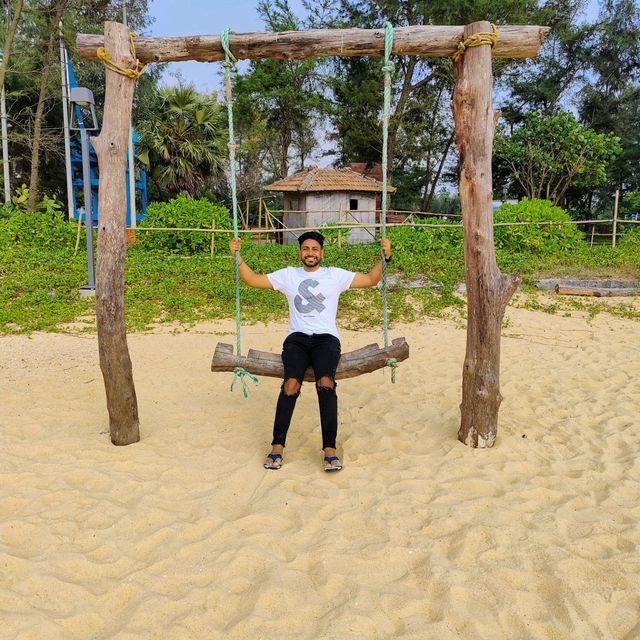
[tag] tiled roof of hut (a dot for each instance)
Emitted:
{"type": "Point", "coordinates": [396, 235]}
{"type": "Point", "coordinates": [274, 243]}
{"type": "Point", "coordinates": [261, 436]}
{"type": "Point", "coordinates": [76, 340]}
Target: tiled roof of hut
{"type": "Point", "coordinates": [325, 179]}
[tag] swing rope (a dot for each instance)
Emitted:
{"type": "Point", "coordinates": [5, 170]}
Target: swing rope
{"type": "Point", "coordinates": [388, 68]}
{"type": "Point", "coordinates": [239, 373]}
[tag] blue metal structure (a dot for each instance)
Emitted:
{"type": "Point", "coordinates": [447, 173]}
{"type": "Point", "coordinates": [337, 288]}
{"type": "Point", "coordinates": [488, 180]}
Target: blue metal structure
{"type": "Point", "coordinates": [76, 168]}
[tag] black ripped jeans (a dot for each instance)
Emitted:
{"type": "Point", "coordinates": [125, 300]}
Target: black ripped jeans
{"type": "Point", "coordinates": [322, 353]}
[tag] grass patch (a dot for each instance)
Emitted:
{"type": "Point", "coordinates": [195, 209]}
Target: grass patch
{"type": "Point", "coordinates": [39, 284]}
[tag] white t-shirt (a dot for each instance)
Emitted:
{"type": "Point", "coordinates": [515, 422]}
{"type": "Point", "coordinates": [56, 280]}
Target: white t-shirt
{"type": "Point", "coordinates": [313, 296]}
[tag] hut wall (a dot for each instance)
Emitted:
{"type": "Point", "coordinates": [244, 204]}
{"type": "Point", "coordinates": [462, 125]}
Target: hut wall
{"type": "Point", "coordinates": [324, 207]}
{"type": "Point", "coordinates": [365, 212]}
{"type": "Point", "coordinates": [294, 216]}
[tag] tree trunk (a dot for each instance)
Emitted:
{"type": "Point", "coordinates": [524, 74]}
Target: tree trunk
{"type": "Point", "coordinates": [13, 27]}
{"type": "Point", "coordinates": [34, 181]}
{"type": "Point", "coordinates": [434, 180]}
{"type": "Point", "coordinates": [110, 147]}
{"type": "Point", "coordinates": [488, 290]}
{"type": "Point", "coordinates": [395, 120]}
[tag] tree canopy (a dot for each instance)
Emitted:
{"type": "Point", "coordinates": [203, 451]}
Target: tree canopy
{"type": "Point", "coordinates": [582, 92]}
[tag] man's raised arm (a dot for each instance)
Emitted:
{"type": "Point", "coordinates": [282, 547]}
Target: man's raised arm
{"type": "Point", "coordinates": [247, 274]}
{"type": "Point", "coordinates": [371, 279]}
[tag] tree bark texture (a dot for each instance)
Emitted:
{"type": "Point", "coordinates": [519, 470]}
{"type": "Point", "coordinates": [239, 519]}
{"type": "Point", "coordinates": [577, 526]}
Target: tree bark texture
{"type": "Point", "coordinates": [513, 42]}
{"type": "Point", "coordinates": [111, 146]}
{"type": "Point", "coordinates": [58, 10]}
{"type": "Point", "coordinates": [488, 290]}
{"type": "Point", "coordinates": [353, 363]}
{"type": "Point", "coordinates": [6, 54]}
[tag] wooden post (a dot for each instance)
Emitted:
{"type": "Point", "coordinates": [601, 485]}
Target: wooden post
{"type": "Point", "coordinates": [111, 147]}
{"type": "Point", "coordinates": [593, 230]}
{"type": "Point", "coordinates": [488, 290]}
{"type": "Point", "coordinates": [260, 219]}
{"type": "Point", "coordinates": [339, 222]}
{"type": "Point", "coordinates": [615, 218]}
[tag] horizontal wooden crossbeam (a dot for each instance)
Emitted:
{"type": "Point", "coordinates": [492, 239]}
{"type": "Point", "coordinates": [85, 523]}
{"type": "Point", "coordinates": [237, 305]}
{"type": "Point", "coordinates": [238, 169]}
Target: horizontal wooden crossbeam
{"type": "Point", "coordinates": [513, 42]}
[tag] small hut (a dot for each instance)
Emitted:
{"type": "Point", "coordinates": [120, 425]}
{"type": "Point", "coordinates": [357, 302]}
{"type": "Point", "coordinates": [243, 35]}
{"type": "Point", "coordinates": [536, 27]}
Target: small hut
{"type": "Point", "coordinates": [317, 196]}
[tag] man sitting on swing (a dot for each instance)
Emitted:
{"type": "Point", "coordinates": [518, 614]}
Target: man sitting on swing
{"type": "Point", "coordinates": [312, 292]}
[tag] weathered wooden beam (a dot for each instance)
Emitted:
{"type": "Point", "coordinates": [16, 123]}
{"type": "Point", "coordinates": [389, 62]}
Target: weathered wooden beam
{"type": "Point", "coordinates": [488, 290]}
{"type": "Point", "coordinates": [598, 292]}
{"type": "Point", "coordinates": [514, 41]}
{"type": "Point", "coordinates": [111, 147]}
{"type": "Point", "coordinates": [352, 363]}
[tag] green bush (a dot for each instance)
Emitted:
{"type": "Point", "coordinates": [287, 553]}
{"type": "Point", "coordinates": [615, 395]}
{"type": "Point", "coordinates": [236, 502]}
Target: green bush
{"type": "Point", "coordinates": [630, 204]}
{"type": "Point", "coordinates": [46, 229]}
{"type": "Point", "coordinates": [629, 247]}
{"type": "Point", "coordinates": [183, 212]}
{"type": "Point", "coordinates": [435, 251]}
{"type": "Point", "coordinates": [548, 239]}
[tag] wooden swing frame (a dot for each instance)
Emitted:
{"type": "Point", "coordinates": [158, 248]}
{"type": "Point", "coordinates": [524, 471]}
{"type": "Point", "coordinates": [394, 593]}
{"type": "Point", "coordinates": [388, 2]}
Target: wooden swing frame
{"type": "Point", "coordinates": [488, 290]}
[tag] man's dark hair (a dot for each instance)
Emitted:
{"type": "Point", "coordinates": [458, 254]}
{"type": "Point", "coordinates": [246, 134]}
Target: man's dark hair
{"type": "Point", "coordinates": [311, 235]}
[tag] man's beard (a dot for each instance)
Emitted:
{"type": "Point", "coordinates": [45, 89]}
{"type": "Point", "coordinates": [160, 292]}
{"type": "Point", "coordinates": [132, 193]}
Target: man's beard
{"type": "Point", "coordinates": [314, 261]}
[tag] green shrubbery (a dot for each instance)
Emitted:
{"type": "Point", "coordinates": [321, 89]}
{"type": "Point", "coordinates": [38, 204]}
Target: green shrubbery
{"type": "Point", "coordinates": [436, 251]}
{"type": "Point", "coordinates": [41, 275]}
{"type": "Point", "coordinates": [629, 247]}
{"type": "Point", "coordinates": [186, 213]}
{"type": "Point", "coordinates": [47, 228]}
{"type": "Point", "coordinates": [536, 239]}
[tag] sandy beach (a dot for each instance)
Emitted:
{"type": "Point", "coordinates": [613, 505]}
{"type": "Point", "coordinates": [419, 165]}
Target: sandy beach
{"type": "Point", "coordinates": [185, 536]}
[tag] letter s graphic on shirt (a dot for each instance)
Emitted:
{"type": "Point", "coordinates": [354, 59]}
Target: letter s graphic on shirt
{"type": "Point", "coordinates": [314, 302]}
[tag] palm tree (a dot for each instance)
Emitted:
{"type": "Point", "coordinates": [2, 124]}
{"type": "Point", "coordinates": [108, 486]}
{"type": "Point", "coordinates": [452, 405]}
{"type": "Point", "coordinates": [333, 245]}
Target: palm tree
{"type": "Point", "coordinates": [182, 140]}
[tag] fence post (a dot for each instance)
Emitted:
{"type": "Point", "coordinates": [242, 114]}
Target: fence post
{"type": "Point", "coordinates": [615, 218]}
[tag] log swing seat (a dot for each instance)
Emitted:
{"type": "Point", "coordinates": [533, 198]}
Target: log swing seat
{"type": "Point", "coordinates": [354, 363]}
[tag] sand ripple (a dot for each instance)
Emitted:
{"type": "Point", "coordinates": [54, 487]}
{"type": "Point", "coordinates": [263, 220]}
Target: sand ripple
{"type": "Point", "coordinates": [185, 536]}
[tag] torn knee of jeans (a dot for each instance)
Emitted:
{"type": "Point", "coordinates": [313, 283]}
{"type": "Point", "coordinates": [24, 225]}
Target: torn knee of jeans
{"type": "Point", "coordinates": [326, 382]}
{"type": "Point", "coordinates": [291, 387]}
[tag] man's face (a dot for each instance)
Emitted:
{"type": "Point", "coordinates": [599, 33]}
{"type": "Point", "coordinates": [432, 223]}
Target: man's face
{"type": "Point", "coordinates": [311, 253]}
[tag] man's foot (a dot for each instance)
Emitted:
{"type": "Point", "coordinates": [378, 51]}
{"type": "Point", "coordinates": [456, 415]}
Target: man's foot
{"type": "Point", "coordinates": [274, 459]}
{"type": "Point", "coordinates": [331, 460]}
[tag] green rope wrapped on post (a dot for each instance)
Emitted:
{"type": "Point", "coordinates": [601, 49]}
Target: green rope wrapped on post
{"type": "Point", "coordinates": [388, 68]}
{"type": "Point", "coordinates": [228, 64]}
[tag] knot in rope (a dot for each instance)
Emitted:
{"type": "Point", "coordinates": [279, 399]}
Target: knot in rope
{"type": "Point", "coordinates": [389, 66]}
{"type": "Point", "coordinates": [239, 374]}
{"type": "Point", "coordinates": [476, 40]}
{"type": "Point", "coordinates": [229, 58]}
{"type": "Point", "coordinates": [105, 56]}
{"type": "Point", "coordinates": [392, 363]}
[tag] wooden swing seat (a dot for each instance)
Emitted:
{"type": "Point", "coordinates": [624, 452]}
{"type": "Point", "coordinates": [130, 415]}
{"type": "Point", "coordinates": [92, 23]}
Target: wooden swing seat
{"type": "Point", "coordinates": [353, 363]}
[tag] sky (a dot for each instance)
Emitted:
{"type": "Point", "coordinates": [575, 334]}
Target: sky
{"type": "Point", "coordinates": [203, 17]}
{"type": "Point", "coordinates": [209, 17]}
